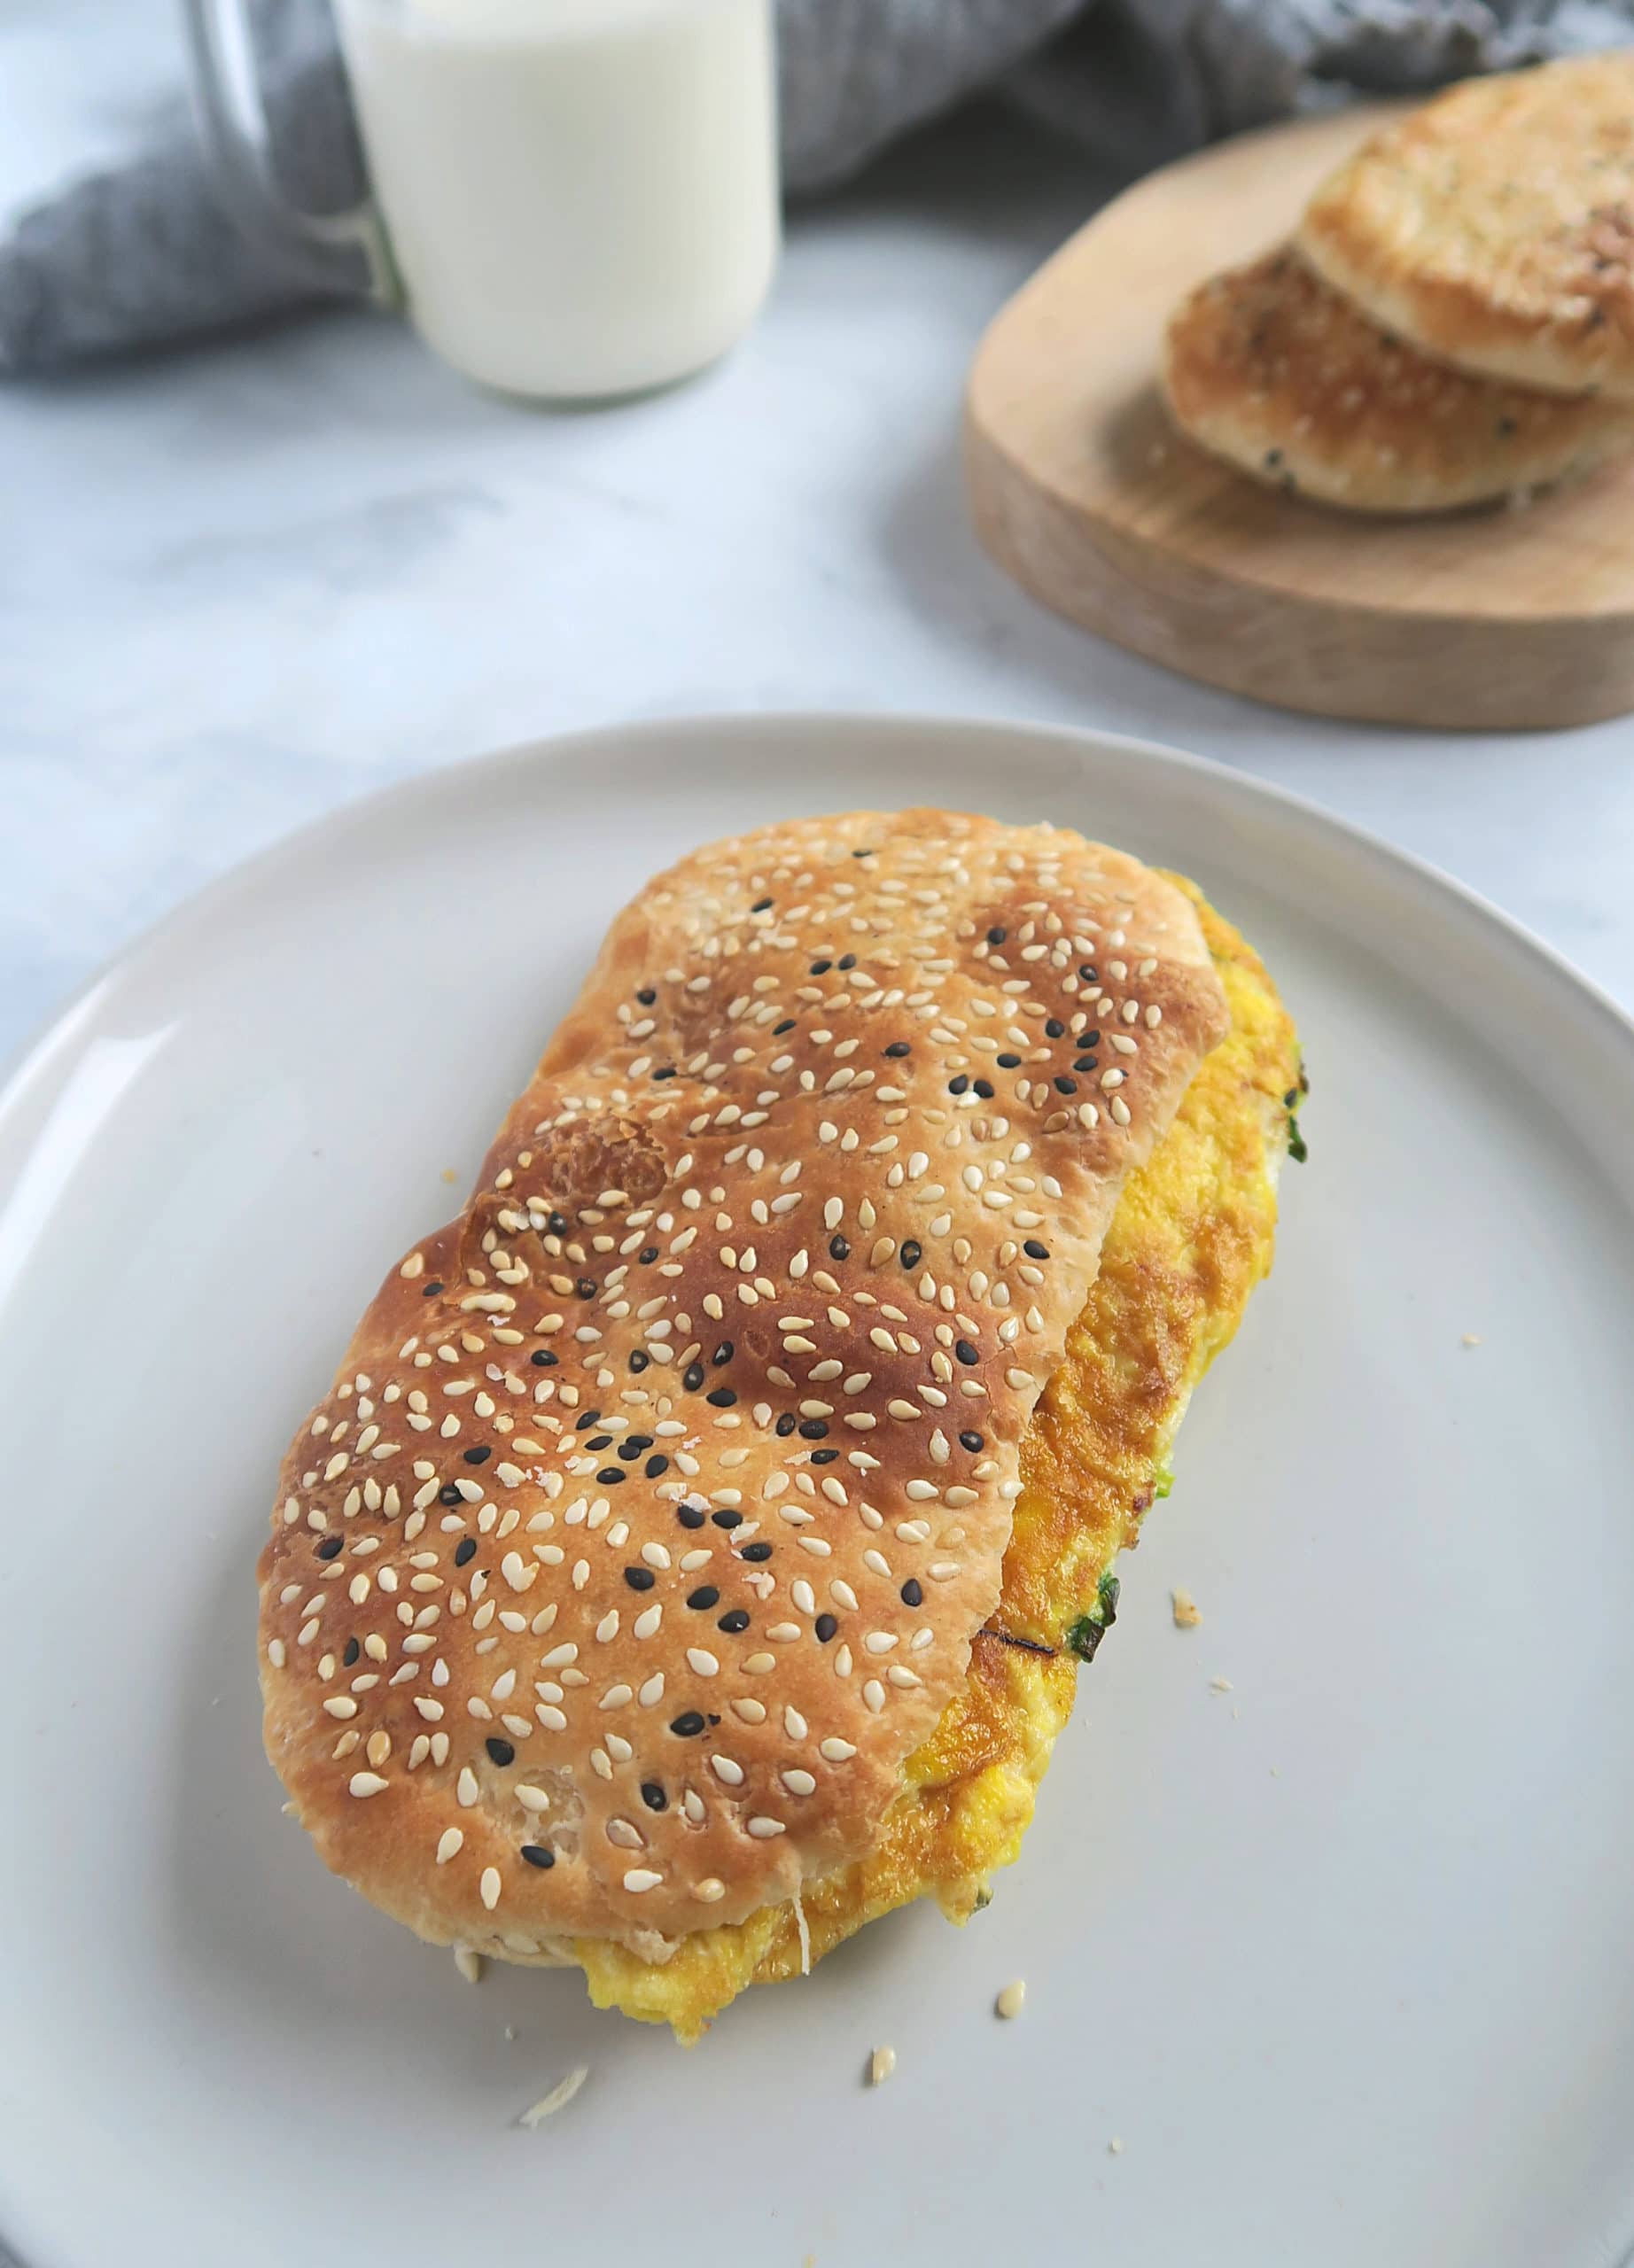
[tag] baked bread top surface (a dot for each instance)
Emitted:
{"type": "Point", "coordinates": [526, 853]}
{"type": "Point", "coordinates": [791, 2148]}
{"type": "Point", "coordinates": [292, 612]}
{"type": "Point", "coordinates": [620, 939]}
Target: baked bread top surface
{"type": "Point", "coordinates": [1495, 226]}
{"type": "Point", "coordinates": [1269, 367]}
{"type": "Point", "coordinates": [645, 1530]}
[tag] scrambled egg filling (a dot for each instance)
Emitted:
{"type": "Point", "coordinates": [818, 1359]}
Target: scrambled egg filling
{"type": "Point", "coordinates": [1191, 1238]}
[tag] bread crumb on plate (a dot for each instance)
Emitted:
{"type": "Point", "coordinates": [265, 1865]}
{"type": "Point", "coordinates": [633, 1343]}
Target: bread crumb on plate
{"type": "Point", "coordinates": [1186, 1614]}
{"type": "Point", "coordinates": [881, 2064]}
{"type": "Point", "coordinates": [1010, 2001]}
{"type": "Point", "coordinates": [559, 2096]}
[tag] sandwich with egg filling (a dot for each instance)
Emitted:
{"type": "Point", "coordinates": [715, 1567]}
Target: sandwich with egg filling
{"type": "Point", "coordinates": [695, 1553]}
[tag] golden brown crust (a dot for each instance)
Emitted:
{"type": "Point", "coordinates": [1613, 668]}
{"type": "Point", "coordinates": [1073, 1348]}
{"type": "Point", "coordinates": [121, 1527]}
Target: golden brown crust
{"type": "Point", "coordinates": [639, 1542]}
{"type": "Point", "coordinates": [1495, 226]}
{"type": "Point", "coordinates": [1269, 368]}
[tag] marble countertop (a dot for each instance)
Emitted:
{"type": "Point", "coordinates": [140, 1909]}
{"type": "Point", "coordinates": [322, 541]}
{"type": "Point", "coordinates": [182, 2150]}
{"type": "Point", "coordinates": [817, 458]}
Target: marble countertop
{"type": "Point", "coordinates": [248, 582]}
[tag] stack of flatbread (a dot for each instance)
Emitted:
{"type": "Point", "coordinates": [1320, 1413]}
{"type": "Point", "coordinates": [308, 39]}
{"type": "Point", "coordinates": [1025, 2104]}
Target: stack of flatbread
{"type": "Point", "coordinates": [1453, 320]}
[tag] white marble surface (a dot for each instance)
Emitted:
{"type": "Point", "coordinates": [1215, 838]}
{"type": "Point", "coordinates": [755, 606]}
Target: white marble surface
{"type": "Point", "coordinates": [245, 584]}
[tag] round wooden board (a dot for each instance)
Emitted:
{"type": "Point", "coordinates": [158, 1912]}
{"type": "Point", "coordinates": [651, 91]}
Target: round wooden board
{"type": "Point", "coordinates": [1083, 491]}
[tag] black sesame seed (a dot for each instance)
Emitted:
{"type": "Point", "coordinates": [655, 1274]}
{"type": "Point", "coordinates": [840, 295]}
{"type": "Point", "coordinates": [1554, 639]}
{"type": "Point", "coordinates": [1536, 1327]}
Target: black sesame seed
{"type": "Point", "coordinates": [1064, 1085]}
{"type": "Point", "coordinates": [761, 906]}
{"type": "Point", "coordinates": [587, 1287]}
{"type": "Point", "coordinates": [639, 1579]}
{"type": "Point", "coordinates": [655, 1465]}
{"type": "Point", "coordinates": [449, 1494]}
{"type": "Point", "coordinates": [824, 1456]}
{"type": "Point", "coordinates": [479, 1455]}
{"type": "Point", "coordinates": [687, 1724]}
{"type": "Point", "coordinates": [609, 1476]}
{"type": "Point", "coordinates": [653, 1796]}
{"type": "Point", "coordinates": [983, 1087]}
{"type": "Point", "coordinates": [862, 854]}
{"type": "Point", "coordinates": [728, 1519]}
{"type": "Point", "coordinates": [958, 1086]}
{"type": "Point", "coordinates": [648, 1253]}
{"type": "Point", "coordinates": [996, 937]}
{"type": "Point", "coordinates": [639, 1359]}
{"type": "Point", "coordinates": [1085, 1063]}
{"type": "Point", "coordinates": [692, 1376]}
{"type": "Point", "coordinates": [330, 1549]}
{"type": "Point", "coordinates": [351, 1654]}
{"type": "Point", "coordinates": [598, 1441]}
{"type": "Point", "coordinates": [779, 1029]}
{"type": "Point", "coordinates": [536, 1855]}
{"type": "Point", "coordinates": [822, 967]}
{"type": "Point", "coordinates": [1054, 1029]}
{"type": "Point", "coordinates": [627, 1450]}
{"type": "Point", "coordinates": [974, 1442]}
{"type": "Point", "coordinates": [1091, 975]}
{"type": "Point", "coordinates": [690, 1515]}
{"type": "Point", "coordinates": [500, 1751]}
{"type": "Point", "coordinates": [757, 1552]}
{"type": "Point", "coordinates": [911, 1253]}
{"type": "Point", "coordinates": [1290, 1098]}
{"type": "Point", "coordinates": [466, 1551]}
{"type": "Point", "coordinates": [814, 1429]}
{"type": "Point", "coordinates": [430, 1291]}
{"type": "Point", "coordinates": [966, 1352]}
{"type": "Point", "coordinates": [733, 1622]}
{"type": "Point", "coordinates": [785, 1425]}
{"type": "Point", "coordinates": [838, 1249]}
{"type": "Point", "coordinates": [557, 1224]}
{"type": "Point", "coordinates": [542, 1359]}
{"type": "Point", "coordinates": [1034, 1250]}
{"type": "Point", "coordinates": [586, 1419]}
{"type": "Point", "coordinates": [898, 1047]}
{"type": "Point", "coordinates": [646, 995]}
{"type": "Point", "coordinates": [912, 1595]}
{"type": "Point", "coordinates": [640, 1441]}
{"type": "Point", "coordinates": [848, 961]}
{"type": "Point", "coordinates": [722, 1398]}
{"type": "Point", "coordinates": [702, 1599]}
{"type": "Point", "coordinates": [1009, 1062]}
{"type": "Point", "coordinates": [723, 1353]}
{"type": "Point", "coordinates": [826, 1626]}
{"type": "Point", "coordinates": [665, 1071]}
{"type": "Point", "coordinates": [1090, 1039]}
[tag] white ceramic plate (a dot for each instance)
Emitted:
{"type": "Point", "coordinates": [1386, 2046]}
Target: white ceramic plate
{"type": "Point", "coordinates": [1344, 1956]}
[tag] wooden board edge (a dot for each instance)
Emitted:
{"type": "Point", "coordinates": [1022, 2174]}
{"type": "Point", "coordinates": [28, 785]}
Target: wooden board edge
{"type": "Point", "coordinates": [1454, 673]}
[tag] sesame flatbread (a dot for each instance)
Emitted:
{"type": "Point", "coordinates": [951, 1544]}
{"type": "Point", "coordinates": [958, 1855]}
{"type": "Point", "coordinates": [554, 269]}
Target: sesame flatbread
{"type": "Point", "coordinates": [1267, 366]}
{"type": "Point", "coordinates": [1495, 226]}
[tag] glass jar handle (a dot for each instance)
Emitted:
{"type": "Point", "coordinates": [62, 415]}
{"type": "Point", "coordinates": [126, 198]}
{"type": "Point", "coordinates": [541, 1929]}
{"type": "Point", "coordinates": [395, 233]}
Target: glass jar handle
{"type": "Point", "coordinates": [323, 247]}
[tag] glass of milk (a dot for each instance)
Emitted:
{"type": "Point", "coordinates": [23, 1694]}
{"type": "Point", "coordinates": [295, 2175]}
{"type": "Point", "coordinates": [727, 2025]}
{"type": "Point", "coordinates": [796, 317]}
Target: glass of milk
{"type": "Point", "coordinates": [573, 198]}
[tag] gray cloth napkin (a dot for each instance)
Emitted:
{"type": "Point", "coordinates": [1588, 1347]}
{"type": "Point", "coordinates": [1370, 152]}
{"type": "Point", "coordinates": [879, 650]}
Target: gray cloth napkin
{"type": "Point", "coordinates": [148, 255]}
